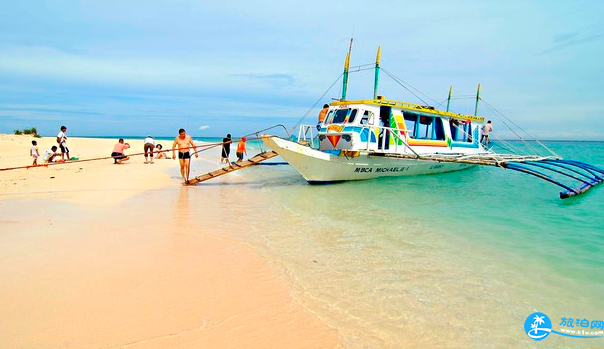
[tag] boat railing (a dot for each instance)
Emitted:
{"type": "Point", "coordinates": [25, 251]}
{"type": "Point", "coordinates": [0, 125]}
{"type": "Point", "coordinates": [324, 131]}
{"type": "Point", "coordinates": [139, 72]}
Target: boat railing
{"type": "Point", "coordinates": [384, 140]}
{"type": "Point", "coordinates": [305, 134]}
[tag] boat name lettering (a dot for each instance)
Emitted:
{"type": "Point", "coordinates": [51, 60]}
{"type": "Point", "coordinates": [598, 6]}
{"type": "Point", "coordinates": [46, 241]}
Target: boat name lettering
{"type": "Point", "coordinates": [363, 169]}
{"type": "Point", "coordinates": [391, 169]}
{"type": "Point", "coordinates": [381, 169]}
{"type": "Point", "coordinates": [435, 166]}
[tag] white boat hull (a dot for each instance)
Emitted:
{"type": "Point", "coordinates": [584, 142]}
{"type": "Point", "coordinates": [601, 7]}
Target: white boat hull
{"type": "Point", "coordinates": [320, 167]}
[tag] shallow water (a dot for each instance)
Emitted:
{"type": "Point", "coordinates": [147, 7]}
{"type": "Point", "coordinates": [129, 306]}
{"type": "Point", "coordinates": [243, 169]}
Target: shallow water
{"type": "Point", "coordinates": [449, 260]}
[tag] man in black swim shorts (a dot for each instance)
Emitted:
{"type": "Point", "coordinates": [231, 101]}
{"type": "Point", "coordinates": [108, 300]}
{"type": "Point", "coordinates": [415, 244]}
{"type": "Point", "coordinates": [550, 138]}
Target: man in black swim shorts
{"type": "Point", "coordinates": [184, 142]}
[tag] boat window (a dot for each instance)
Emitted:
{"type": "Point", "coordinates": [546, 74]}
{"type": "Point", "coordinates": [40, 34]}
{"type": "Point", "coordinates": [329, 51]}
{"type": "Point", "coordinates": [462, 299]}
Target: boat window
{"type": "Point", "coordinates": [467, 132]}
{"type": "Point", "coordinates": [365, 118]}
{"type": "Point", "coordinates": [410, 123]}
{"type": "Point", "coordinates": [461, 130]}
{"type": "Point", "coordinates": [439, 130]}
{"type": "Point", "coordinates": [430, 128]}
{"type": "Point", "coordinates": [352, 116]}
{"type": "Point", "coordinates": [340, 116]}
{"type": "Point", "coordinates": [328, 117]}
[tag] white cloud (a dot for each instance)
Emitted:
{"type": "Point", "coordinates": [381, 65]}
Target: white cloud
{"type": "Point", "coordinates": [204, 127]}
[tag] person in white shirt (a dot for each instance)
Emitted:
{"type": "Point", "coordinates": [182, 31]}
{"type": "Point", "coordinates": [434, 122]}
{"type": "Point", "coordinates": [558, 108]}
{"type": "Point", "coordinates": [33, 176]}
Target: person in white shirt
{"type": "Point", "coordinates": [486, 130]}
{"type": "Point", "coordinates": [149, 147]}
{"type": "Point", "coordinates": [62, 140]}
{"type": "Point", "coordinates": [34, 152]}
{"type": "Point", "coordinates": [49, 155]}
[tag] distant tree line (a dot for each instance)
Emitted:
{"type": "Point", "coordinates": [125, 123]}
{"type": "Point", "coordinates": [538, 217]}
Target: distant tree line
{"type": "Point", "coordinates": [28, 131]}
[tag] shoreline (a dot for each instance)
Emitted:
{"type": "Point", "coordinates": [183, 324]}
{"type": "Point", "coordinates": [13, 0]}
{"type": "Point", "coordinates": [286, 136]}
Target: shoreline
{"type": "Point", "coordinates": [107, 255]}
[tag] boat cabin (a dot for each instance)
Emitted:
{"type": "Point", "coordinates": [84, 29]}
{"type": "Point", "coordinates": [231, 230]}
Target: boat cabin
{"type": "Point", "coordinates": [392, 127]}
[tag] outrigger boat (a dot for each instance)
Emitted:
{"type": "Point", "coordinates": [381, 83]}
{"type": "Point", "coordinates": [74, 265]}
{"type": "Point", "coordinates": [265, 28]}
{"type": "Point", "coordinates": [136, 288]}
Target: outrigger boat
{"type": "Point", "coordinates": [364, 139]}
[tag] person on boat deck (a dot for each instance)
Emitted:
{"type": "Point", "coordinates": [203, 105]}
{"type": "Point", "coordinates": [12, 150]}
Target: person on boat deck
{"type": "Point", "coordinates": [322, 115]}
{"type": "Point", "coordinates": [184, 142]}
{"type": "Point", "coordinates": [241, 149]}
{"type": "Point", "coordinates": [118, 152]}
{"type": "Point", "coordinates": [486, 130]}
{"type": "Point", "coordinates": [226, 149]}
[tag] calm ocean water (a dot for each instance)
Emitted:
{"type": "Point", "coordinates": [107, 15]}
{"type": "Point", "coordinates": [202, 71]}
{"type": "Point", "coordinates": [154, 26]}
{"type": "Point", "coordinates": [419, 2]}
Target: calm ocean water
{"type": "Point", "coordinates": [441, 261]}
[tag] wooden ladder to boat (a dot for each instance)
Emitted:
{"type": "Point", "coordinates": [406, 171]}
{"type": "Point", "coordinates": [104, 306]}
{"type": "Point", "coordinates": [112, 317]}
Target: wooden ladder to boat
{"type": "Point", "coordinates": [233, 167]}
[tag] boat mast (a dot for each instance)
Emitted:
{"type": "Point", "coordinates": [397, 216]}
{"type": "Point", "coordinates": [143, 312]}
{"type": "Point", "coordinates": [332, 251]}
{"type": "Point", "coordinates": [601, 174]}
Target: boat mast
{"type": "Point", "coordinates": [449, 99]}
{"type": "Point", "coordinates": [345, 78]}
{"type": "Point", "coordinates": [377, 72]}
{"type": "Point", "coordinates": [477, 99]}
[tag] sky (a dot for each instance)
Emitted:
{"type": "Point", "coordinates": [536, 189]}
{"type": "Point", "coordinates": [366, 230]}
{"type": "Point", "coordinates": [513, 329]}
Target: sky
{"type": "Point", "coordinates": [137, 68]}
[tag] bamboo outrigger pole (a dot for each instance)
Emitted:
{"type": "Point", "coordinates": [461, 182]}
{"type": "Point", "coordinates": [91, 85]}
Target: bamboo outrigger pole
{"type": "Point", "coordinates": [377, 72]}
{"type": "Point", "coordinates": [346, 65]}
{"type": "Point", "coordinates": [477, 99]}
{"type": "Point", "coordinates": [449, 99]}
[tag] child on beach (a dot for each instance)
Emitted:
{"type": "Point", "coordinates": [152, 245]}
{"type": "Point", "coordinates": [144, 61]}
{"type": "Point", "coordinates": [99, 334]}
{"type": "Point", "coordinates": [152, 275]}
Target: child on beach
{"type": "Point", "coordinates": [50, 155]}
{"type": "Point", "coordinates": [241, 149]}
{"type": "Point", "coordinates": [34, 152]}
{"type": "Point", "coordinates": [160, 154]}
{"type": "Point", "coordinates": [62, 140]}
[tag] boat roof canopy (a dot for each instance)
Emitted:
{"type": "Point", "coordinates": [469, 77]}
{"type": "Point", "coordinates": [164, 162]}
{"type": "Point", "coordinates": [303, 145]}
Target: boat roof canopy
{"type": "Point", "coordinates": [410, 107]}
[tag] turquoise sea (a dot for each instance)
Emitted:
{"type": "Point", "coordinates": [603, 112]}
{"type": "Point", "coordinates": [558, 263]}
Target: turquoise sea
{"type": "Point", "coordinates": [454, 260]}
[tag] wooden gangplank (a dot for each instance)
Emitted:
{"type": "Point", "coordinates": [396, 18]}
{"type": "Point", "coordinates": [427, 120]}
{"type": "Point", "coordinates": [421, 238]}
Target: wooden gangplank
{"type": "Point", "coordinates": [233, 167]}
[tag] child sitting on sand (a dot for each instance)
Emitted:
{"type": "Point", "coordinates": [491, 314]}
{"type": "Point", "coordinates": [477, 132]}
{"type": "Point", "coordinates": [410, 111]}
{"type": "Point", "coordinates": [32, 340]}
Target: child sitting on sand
{"type": "Point", "coordinates": [160, 154]}
{"type": "Point", "coordinates": [50, 155]}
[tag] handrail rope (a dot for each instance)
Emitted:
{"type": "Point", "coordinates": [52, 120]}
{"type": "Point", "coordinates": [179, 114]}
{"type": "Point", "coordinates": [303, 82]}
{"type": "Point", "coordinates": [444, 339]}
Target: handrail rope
{"type": "Point", "coordinates": [399, 138]}
{"type": "Point", "coordinates": [503, 119]}
{"type": "Point", "coordinates": [509, 146]}
{"type": "Point", "coordinates": [206, 146]}
{"type": "Point", "coordinates": [511, 129]}
{"type": "Point", "coordinates": [520, 128]}
{"type": "Point", "coordinates": [403, 83]}
{"type": "Point", "coordinates": [315, 104]}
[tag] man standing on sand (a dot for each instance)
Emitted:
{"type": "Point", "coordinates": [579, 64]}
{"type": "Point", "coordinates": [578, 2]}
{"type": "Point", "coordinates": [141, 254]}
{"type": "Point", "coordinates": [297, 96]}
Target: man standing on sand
{"type": "Point", "coordinates": [62, 140]}
{"type": "Point", "coordinates": [226, 149]}
{"type": "Point", "coordinates": [184, 142]}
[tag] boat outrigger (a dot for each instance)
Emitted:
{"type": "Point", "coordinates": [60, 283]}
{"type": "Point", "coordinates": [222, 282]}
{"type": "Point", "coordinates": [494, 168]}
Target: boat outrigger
{"type": "Point", "coordinates": [364, 139]}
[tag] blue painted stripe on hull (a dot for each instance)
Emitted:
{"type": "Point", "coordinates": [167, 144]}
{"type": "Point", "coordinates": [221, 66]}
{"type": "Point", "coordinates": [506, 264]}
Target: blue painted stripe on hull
{"type": "Point", "coordinates": [464, 145]}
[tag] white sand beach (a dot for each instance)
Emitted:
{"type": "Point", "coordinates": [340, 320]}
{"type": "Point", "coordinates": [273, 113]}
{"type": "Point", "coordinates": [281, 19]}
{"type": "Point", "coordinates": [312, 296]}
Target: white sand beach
{"type": "Point", "coordinates": [97, 255]}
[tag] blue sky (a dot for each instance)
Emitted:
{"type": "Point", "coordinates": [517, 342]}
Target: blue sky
{"type": "Point", "coordinates": [151, 67]}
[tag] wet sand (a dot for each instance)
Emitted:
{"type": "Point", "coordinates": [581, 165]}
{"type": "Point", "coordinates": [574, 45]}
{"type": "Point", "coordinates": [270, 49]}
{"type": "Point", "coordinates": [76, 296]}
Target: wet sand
{"type": "Point", "coordinates": [111, 256]}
